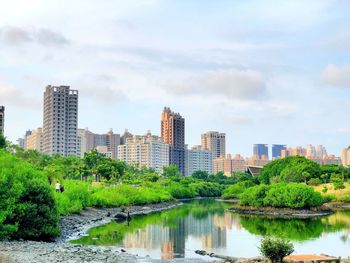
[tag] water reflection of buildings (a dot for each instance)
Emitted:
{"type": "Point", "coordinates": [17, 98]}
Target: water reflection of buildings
{"type": "Point", "coordinates": [210, 230]}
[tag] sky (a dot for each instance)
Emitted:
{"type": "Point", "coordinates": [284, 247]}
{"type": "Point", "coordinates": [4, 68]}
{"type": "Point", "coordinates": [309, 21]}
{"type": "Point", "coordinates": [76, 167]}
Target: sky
{"type": "Point", "coordinates": [274, 72]}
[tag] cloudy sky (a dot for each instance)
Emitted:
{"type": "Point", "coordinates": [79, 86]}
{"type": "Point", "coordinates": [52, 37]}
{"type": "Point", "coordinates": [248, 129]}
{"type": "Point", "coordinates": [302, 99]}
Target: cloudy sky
{"type": "Point", "coordinates": [260, 71]}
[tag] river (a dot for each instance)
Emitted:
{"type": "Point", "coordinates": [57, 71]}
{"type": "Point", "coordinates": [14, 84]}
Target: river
{"type": "Point", "coordinates": [208, 225]}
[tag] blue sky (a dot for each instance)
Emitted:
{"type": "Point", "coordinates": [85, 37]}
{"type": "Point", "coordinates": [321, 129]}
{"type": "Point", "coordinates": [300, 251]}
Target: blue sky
{"type": "Point", "coordinates": [260, 71]}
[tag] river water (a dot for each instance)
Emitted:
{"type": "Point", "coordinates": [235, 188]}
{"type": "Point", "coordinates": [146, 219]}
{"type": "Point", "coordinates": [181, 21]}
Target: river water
{"type": "Point", "coordinates": [208, 225]}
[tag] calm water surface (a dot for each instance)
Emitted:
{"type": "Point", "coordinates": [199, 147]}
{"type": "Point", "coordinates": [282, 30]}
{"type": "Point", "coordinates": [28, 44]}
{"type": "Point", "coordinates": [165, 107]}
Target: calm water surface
{"type": "Point", "coordinates": [207, 225]}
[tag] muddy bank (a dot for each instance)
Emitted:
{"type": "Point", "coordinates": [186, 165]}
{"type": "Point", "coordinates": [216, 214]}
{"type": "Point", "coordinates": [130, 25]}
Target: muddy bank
{"type": "Point", "coordinates": [338, 206]}
{"type": "Point", "coordinates": [76, 225]}
{"type": "Point", "coordinates": [281, 212]}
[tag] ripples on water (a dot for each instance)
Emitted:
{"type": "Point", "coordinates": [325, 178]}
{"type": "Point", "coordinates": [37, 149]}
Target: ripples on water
{"type": "Point", "coordinates": [207, 225]}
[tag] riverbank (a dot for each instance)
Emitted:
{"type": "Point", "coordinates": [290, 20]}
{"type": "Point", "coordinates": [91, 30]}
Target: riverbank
{"type": "Point", "coordinates": [77, 225]}
{"type": "Point", "coordinates": [41, 252]}
{"type": "Point", "coordinates": [285, 213]}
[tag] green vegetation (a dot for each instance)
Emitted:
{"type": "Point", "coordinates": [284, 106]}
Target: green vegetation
{"type": "Point", "coordinates": [281, 195]}
{"type": "Point", "coordinates": [298, 169]}
{"type": "Point", "coordinates": [27, 205]}
{"type": "Point", "coordinates": [275, 249]}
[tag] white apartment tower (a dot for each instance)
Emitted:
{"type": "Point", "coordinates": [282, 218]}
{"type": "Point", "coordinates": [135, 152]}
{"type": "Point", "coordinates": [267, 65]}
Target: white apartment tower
{"type": "Point", "coordinates": [214, 142]}
{"type": "Point", "coordinates": [60, 121]}
{"type": "Point", "coordinates": [199, 159]}
{"type": "Point", "coordinates": [147, 150]}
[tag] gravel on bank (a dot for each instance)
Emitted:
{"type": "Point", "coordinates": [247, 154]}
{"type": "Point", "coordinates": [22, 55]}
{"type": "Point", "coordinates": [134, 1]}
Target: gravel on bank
{"type": "Point", "coordinates": [42, 252]}
{"type": "Point", "coordinates": [75, 226]}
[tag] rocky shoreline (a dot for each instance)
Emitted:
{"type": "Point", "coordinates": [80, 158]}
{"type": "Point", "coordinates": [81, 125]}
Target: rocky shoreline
{"type": "Point", "coordinates": [281, 212]}
{"type": "Point", "coordinates": [75, 226]}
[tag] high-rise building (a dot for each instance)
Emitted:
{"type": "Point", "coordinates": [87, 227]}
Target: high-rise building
{"type": "Point", "coordinates": [2, 119]}
{"type": "Point", "coordinates": [345, 157]}
{"type": "Point", "coordinates": [60, 121]}
{"type": "Point", "coordinates": [88, 140]}
{"type": "Point", "coordinates": [199, 159]}
{"type": "Point", "coordinates": [261, 151]}
{"type": "Point", "coordinates": [229, 165]}
{"type": "Point", "coordinates": [173, 134]}
{"type": "Point", "coordinates": [277, 150]}
{"type": "Point", "coordinates": [215, 142]}
{"type": "Point", "coordinates": [310, 150]}
{"type": "Point", "coordinates": [147, 150]}
{"type": "Point", "coordinates": [33, 140]}
{"type": "Point", "coordinates": [125, 136]}
{"type": "Point", "coordinates": [321, 151]}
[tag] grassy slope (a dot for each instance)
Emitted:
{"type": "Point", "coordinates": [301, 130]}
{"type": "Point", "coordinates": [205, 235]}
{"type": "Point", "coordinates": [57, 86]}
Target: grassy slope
{"type": "Point", "coordinates": [339, 194]}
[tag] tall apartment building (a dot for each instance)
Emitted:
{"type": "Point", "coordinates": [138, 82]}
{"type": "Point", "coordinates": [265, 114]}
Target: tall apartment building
{"type": "Point", "coordinates": [277, 150]}
{"type": "Point", "coordinates": [261, 151]}
{"type": "Point", "coordinates": [215, 142]}
{"type": "Point", "coordinates": [229, 165]}
{"type": "Point", "coordinates": [125, 136]}
{"type": "Point", "coordinates": [173, 134]}
{"type": "Point", "coordinates": [2, 119]}
{"type": "Point", "coordinates": [321, 151]}
{"type": "Point", "coordinates": [33, 140]}
{"type": "Point", "coordinates": [147, 150]}
{"type": "Point", "coordinates": [345, 157]}
{"type": "Point", "coordinates": [60, 121]}
{"type": "Point", "coordinates": [199, 159]}
{"type": "Point", "coordinates": [88, 140]}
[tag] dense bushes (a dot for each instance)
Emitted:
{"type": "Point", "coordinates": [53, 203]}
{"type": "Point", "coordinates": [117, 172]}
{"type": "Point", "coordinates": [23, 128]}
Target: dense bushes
{"type": "Point", "coordinates": [27, 206]}
{"type": "Point", "coordinates": [281, 195]}
{"type": "Point", "coordinates": [234, 191]}
{"type": "Point", "coordinates": [300, 169]}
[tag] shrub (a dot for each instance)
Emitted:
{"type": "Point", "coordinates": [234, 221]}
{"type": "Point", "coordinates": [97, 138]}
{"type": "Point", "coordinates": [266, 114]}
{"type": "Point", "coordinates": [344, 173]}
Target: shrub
{"type": "Point", "coordinates": [179, 191]}
{"type": "Point", "coordinates": [74, 199]}
{"type": "Point", "coordinates": [338, 184]}
{"type": "Point", "coordinates": [27, 205]}
{"type": "Point", "coordinates": [206, 189]}
{"type": "Point", "coordinates": [275, 249]}
{"type": "Point", "coordinates": [234, 191]}
{"type": "Point", "coordinates": [291, 195]}
{"type": "Point", "coordinates": [254, 196]}
{"type": "Point", "coordinates": [314, 181]}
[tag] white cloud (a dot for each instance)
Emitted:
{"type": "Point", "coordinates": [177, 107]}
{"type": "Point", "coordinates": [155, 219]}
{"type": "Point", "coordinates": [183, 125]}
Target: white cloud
{"type": "Point", "coordinates": [15, 97]}
{"type": "Point", "coordinates": [13, 36]}
{"type": "Point", "coordinates": [338, 76]}
{"type": "Point", "coordinates": [228, 83]}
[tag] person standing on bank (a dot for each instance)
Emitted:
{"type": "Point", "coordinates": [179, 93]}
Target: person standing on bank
{"type": "Point", "coordinates": [58, 187]}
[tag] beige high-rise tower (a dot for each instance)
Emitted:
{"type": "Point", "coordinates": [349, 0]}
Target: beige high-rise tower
{"type": "Point", "coordinates": [173, 133]}
{"type": "Point", "coordinates": [215, 142]}
{"type": "Point", "coordinates": [60, 121]}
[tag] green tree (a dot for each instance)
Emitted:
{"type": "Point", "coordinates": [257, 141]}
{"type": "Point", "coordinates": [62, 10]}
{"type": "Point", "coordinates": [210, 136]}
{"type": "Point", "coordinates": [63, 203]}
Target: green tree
{"type": "Point", "coordinates": [275, 249]}
{"type": "Point", "coordinates": [27, 206]}
{"type": "Point", "coordinates": [3, 143]}
{"type": "Point", "coordinates": [203, 175]}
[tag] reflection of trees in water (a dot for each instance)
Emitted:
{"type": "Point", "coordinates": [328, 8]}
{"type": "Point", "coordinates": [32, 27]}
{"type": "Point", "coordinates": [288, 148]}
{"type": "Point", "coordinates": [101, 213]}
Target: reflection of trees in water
{"type": "Point", "coordinates": [295, 229]}
{"type": "Point", "coordinates": [207, 221]}
{"type": "Point", "coordinates": [167, 230]}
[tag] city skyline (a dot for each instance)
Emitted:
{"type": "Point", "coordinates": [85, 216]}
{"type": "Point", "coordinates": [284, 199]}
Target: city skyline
{"type": "Point", "coordinates": [277, 76]}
